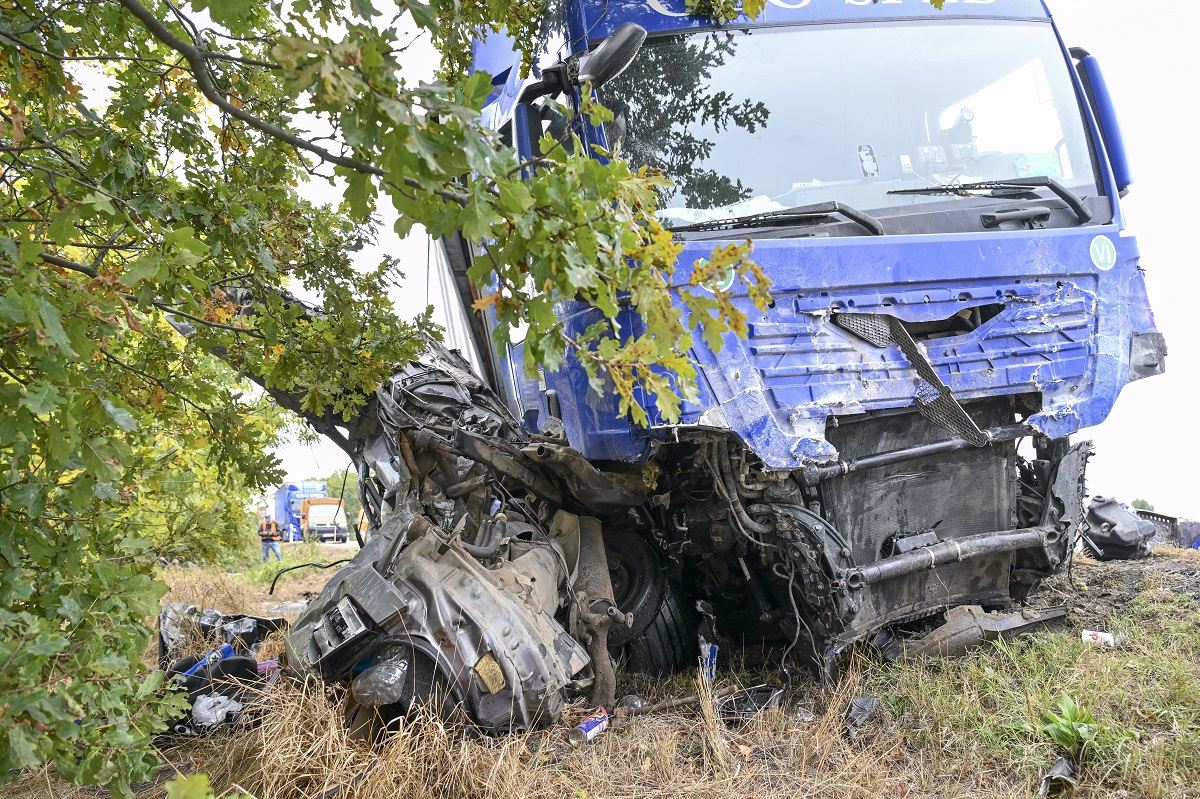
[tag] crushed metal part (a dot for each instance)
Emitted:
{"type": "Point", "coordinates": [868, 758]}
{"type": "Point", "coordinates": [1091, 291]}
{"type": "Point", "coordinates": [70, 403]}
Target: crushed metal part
{"type": "Point", "coordinates": [1060, 779]}
{"type": "Point", "coordinates": [967, 627]}
{"type": "Point", "coordinates": [1116, 533]}
{"type": "Point", "coordinates": [504, 575]}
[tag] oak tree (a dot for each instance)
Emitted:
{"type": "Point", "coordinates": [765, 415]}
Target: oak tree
{"type": "Point", "coordinates": [151, 156]}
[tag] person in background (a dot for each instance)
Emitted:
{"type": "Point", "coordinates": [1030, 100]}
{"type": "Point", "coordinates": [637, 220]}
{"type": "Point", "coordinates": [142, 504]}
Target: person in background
{"type": "Point", "coordinates": [268, 533]}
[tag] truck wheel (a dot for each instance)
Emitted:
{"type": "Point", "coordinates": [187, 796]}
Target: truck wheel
{"type": "Point", "coordinates": [637, 579]}
{"type": "Point", "coordinates": [669, 644]}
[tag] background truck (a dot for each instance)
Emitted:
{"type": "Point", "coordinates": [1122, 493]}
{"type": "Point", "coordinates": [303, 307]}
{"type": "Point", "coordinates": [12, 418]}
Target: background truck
{"type": "Point", "coordinates": [323, 519]}
{"type": "Point", "coordinates": [289, 500]}
{"type": "Point", "coordinates": [936, 198]}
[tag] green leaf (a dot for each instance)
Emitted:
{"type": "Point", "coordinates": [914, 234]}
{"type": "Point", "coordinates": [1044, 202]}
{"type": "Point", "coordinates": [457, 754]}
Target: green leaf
{"type": "Point", "coordinates": [515, 196]}
{"type": "Point", "coordinates": [144, 268]}
{"type": "Point", "coordinates": [12, 310]}
{"type": "Point", "coordinates": [360, 192]}
{"type": "Point", "coordinates": [100, 202]}
{"type": "Point", "coordinates": [21, 750]}
{"type": "Point", "coordinates": [477, 218]}
{"type": "Point", "coordinates": [62, 228]}
{"type": "Point", "coordinates": [229, 13]}
{"type": "Point", "coordinates": [41, 397]}
{"type": "Point", "coordinates": [51, 327]}
{"type": "Point", "coordinates": [100, 459]}
{"type": "Point", "coordinates": [193, 786]}
{"type": "Point", "coordinates": [120, 416]}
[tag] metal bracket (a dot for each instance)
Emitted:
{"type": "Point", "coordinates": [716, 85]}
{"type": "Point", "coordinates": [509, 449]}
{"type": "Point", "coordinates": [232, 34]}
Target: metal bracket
{"type": "Point", "coordinates": [934, 399]}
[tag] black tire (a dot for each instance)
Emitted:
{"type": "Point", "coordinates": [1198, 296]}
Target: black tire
{"type": "Point", "coordinates": [637, 579]}
{"type": "Point", "coordinates": [669, 643]}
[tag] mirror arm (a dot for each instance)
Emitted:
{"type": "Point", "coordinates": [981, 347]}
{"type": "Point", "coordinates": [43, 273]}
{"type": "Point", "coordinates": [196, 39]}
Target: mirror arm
{"type": "Point", "coordinates": [554, 81]}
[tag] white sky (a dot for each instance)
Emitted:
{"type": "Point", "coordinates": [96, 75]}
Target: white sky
{"type": "Point", "coordinates": [1144, 449]}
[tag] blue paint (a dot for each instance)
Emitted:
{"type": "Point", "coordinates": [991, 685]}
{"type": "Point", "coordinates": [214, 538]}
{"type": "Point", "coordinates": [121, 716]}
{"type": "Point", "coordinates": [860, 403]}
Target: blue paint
{"type": "Point", "coordinates": [602, 17]}
{"type": "Point", "coordinates": [1110, 128]}
{"type": "Point", "coordinates": [1071, 300]}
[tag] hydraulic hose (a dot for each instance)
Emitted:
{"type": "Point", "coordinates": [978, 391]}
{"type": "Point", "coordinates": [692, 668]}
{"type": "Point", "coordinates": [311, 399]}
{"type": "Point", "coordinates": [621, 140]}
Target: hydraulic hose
{"type": "Point", "coordinates": [493, 537]}
{"type": "Point", "coordinates": [729, 483]}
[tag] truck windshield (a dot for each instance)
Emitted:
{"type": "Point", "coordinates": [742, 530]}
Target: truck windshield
{"type": "Point", "coordinates": [751, 121]}
{"type": "Point", "coordinates": [326, 514]}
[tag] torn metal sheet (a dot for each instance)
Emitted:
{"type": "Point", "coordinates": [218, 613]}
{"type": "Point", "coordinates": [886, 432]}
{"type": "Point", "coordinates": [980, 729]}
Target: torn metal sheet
{"type": "Point", "coordinates": [967, 627]}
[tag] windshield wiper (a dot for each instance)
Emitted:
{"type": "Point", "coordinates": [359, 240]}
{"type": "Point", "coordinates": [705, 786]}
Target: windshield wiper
{"type": "Point", "coordinates": [787, 217]}
{"type": "Point", "coordinates": [1038, 181]}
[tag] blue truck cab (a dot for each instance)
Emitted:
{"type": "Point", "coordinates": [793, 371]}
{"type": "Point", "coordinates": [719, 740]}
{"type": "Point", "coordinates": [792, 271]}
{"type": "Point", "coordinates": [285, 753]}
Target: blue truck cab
{"type": "Point", "coordinates": [935, 195]}
{"type": "Point", "coordinates": [288, 501]}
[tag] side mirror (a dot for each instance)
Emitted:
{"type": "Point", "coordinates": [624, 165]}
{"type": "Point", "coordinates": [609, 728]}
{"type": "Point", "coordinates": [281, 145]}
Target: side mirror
{"type": "Point", "coordinates": [600, 66]}
{"type": "Point", "coordinates": [612, 57]}
{"type": "Point", "coordinates": [1096, 89]}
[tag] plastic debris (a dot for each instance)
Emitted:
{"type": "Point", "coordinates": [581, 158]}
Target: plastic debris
{"type": "Point", "coordinates": [210, 710]}
{"type": "Point", "coordinates": [631, 705]}
{"type": "Point", "coordinates": [211, 659]}
{"type": "Point", "coordinates": [742, 706]}
{"type": "Point", "coordinates": [382, 684]}
{"type": "Point", "coordinates": [1106, 640]}
{"type": "Point", "coordinates": [860, 711]}
{"type": "Point", "coordinates": [285, 608]}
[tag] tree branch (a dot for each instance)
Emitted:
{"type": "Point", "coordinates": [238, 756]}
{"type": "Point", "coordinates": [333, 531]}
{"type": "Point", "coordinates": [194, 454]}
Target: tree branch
{"type": "Point", "coordinates": [83, 269]}
{"type": "Point", "coordinates": [197, 60]}
{"type": "Point", "coordinates": [199, 64]}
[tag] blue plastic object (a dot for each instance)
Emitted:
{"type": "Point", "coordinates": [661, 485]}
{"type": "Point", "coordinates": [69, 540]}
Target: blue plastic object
{"type": "Point", "coordinates": [1106, 118]}
{"type": "Point", "coordinates": [210, 659]}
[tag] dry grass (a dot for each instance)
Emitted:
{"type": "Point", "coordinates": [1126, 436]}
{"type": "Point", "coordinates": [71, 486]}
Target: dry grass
{"type": "Point", "coordinates": [945, 729]}
{"type": "Point", "coordinates": [302, 749]}
{"type": "Point", "coordinates": [223, 592]}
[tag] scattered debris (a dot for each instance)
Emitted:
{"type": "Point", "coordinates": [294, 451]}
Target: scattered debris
{"type": "Point", "coordinates": [859, 713]}
{"type": "Point", "coordinates": [209, 710]}
{"type": "Point", "coordinates": [1114, 533]}
{"type": "Point", "coordinates": [1059, 779]}
{"type": "Point", "coordinates": [184, 629]}
{"type": "Point", "coordinates": [671, 704]}
{"type": "Point", "coordinates": [631, 705]}
{"type": "Point", "coordinates": [804, 715]}
{"type": "Point", "coordinates": [589, 728]}
{"type": "Point", "coordinates": [1107, 640]}
{"type": "Point", "coordinates": [744, 705]}
{"type": "Point", "coordinates": [287, 608]}
{"type": "Point", "coordinates": [966, 627]}
{"type": "Point", "coordinates": [220, 682]}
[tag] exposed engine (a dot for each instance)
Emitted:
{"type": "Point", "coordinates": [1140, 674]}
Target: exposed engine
{"type": "Point", "coordinates": [504, 574]}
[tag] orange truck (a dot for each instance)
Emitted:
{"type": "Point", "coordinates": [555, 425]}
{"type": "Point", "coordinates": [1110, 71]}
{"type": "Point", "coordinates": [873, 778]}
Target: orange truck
{"type": "Point", "coordinates": [323, 519]}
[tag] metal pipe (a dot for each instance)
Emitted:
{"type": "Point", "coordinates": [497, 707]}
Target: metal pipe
{"type": "Point", "coordinates": [597, 612]}
{"type": "Point", "coordinates": [493, 537]}
{"type": "Point", "coordinates": [816, 474]}
{"type": "Point", "coordinates": [950, 550]}
{"type": "Point", "coordinates": [467, 486]}
{"type": "Point", "coordinates": [735, 502]}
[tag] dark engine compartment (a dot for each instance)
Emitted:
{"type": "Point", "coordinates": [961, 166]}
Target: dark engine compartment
{"type": "Point", "coordinates": [505, 574]}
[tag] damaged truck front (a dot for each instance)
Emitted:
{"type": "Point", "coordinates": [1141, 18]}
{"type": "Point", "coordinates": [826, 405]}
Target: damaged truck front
{"type": "Point", "coordinates": [935, 196]}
